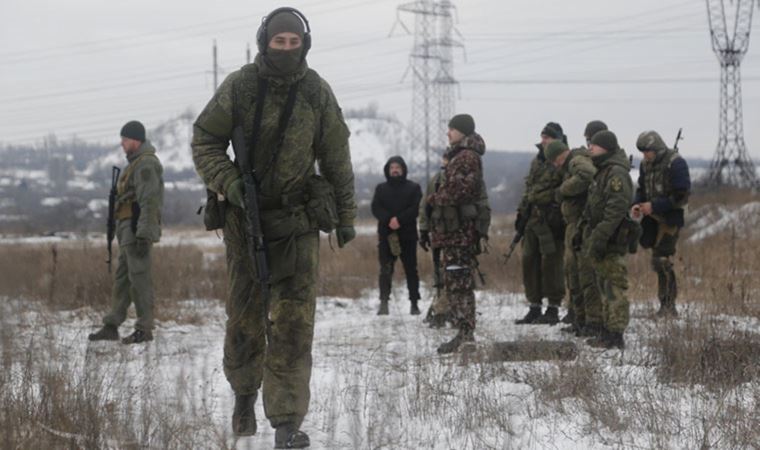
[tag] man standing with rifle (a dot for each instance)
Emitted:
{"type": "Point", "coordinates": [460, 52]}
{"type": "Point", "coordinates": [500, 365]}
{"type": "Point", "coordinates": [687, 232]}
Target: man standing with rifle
{"type": "Point", "coordinates": [134, 216]}
{"type": "Point", "coordinates": [283, 118]}
{"type": "Point", "coordinates": [661, 199]}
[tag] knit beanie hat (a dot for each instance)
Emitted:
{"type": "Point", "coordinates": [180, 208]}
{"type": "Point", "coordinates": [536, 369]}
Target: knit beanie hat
{"type": "Point", "coordinates": [594, 127]}
{"type": "Point", "coordinates": [463, 123]}
{"type": "Point", "coordinates": [605, 139]}
{"type": "Point", "coordinates": [133, 130]}
{"type": "Point", "coordinates": [284, 22]}
{"type": "Point", "coordinates": [553, 130]}
{"type": "Point", "coordinates": [554, 149]}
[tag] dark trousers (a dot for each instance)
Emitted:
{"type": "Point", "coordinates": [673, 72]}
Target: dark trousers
{"type": "Point", "coordinates": [408, 260]}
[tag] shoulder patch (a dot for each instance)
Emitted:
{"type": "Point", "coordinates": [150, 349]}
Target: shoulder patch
{"type": "Point", "coordinates": [616, 184]}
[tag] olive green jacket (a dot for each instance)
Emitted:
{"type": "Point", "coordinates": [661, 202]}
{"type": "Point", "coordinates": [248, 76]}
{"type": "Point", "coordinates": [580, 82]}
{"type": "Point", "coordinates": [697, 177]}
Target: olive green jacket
{"type": "Point", "coordinates": [578, 173]}
{"type": "Point", "coordinates": [316, 132]}
{"type": "Point", "coordinates": [141, 182]}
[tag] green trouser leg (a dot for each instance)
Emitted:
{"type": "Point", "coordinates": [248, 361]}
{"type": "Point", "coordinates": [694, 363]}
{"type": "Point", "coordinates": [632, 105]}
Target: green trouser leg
{"type": "Point", "coordinates": [543, 274]}
{"type": "Point", "coordinates": [572, 276]}
{"type": "Point", "coordinates": [593, 310]}
{"type": "Point", "coordinates": [282, 367]}
{"type": "Point", "coordinates": [133, 282]}
{"type": "Point", "coordinates": [612, 282]}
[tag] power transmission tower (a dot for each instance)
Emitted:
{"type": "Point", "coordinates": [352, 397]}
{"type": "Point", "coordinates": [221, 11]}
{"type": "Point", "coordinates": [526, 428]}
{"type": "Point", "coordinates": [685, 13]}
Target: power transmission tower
{"type": "Point", "coordinates": [432, 66]}
{"type": "Point", "coordinates": [730, 26]}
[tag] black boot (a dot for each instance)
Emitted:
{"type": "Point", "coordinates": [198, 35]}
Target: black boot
{"type": "Point", "coordinates": [289, 436]}
{"type": "Point", "coordinates": [533, 314]}
{"type": "Point", "coordinates": [437, 321]}
{"type": "Point", "coordinates": [244, 416]}
{"type": "Point", "coordinates": [138, 337]}
{"type": "Point", "coordinates": [414, 310]}
{"type": "Point", "coordinates": [600, 340]}
{"type": "Point", "coordinates": [454, 344]}
{"type": "Point", "coordinates": [107, 333]}
{"type": "Point", "coordinates": [550, 317]}
{"type": "Point", "coordinates": [615, 340]}
{"type": "Point", "coordinates": [428, 315]}
{"type": "Point", "coordinates": [383, 311]}
{"type": "Point", "coordinates": [590, 330]}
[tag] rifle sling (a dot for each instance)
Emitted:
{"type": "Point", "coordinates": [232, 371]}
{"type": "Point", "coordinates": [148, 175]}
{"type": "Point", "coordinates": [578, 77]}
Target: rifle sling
{"type": "Point", "coordinates": [262, 86]}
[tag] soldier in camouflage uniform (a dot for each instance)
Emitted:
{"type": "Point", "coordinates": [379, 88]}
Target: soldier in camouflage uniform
{"type": "Point", "coordinates": [454, 221]}
{"type": "Point", "coordinates": [284, 165]}
{"type": "Point", "coordinates": [540, 218]}
{"type": "Point", "coordinates": [578, 171]}
{"type": "Point", "coordinates": [661, 199]}
{"type": "Point", "coordinates": [140, 191]}
{"type": "Point", "coordinates": [605, 240]}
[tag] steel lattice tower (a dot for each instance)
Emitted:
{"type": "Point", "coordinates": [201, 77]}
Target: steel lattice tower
{"type": "Point", "coordinates": [730, 30]}
{"type": "Point", "coordinates": [432, 66]}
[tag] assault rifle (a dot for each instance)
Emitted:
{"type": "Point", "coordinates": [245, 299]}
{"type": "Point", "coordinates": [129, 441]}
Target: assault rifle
{"type": "Point", "coordinates": [520, 226]}
{"type": "Point", "coordinates": [678, 138]}
{"type": "Point", "coordinates": [111, 222]}
{"type": "Point", "coordinates": [257, 249]}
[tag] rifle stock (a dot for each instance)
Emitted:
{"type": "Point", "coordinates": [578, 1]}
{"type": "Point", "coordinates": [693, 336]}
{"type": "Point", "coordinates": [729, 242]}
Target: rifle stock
{"type": "Point", "coordinates": [257, 250]}
{"type": "Point", "coordinates": [111, 222]}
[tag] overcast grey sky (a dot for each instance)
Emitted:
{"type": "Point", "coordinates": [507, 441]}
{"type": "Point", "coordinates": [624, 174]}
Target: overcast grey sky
{"type": "Point", "coordinates": [85, 67]}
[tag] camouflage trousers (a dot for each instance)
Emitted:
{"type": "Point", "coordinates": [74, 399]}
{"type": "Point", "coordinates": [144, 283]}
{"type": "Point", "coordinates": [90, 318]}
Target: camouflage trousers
{"type": "Point", "coordinates": [593, 312]}
{"type": "Point", "coordinates": [458, 264]}
{"type": "Point", "coordinates": [132, 283]}
{"type": "Point", "coordinates": [282, 365]}
{"type": "Point", "coordinates": [542, 265]}
{"type": "Point", "coordinates": [440, 304]}
{"type": "Point", "coordinates": [572, 276]}
{"type": "Point", "coordinates": [611, 275]}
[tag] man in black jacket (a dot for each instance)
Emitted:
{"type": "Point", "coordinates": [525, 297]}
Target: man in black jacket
{"type": "Point", "coordinates": [395, 205]}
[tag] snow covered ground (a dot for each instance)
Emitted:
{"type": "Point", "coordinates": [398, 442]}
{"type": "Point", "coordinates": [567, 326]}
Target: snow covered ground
{"type": "Point", "coordinates": [378, 382]}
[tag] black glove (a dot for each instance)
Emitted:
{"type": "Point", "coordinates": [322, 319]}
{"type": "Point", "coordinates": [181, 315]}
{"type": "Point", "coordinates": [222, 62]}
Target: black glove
{"type": "Point", "coordinates": [520, 223]}
{"type": "Point", "coordinates": [425, 240]}
{"type": "Point", "coordinates": [142, 247]}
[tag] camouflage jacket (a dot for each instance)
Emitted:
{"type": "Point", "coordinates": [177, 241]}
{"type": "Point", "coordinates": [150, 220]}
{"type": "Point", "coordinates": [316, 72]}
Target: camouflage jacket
{"type": "Point", "coordinates": [426, 209]}
{"type": "Point", "coordinates": [609, 198]}
{"type": "Point", "coordinates": [454, 214]}
{"type": "Point", "coordinates": [316, 131]}
{"type": "Point", "coordinates": [540, 195]}
{"type": "Point", "coordinates": [141, 183]}
{"type": "Point", "coordinates": [578, 173]}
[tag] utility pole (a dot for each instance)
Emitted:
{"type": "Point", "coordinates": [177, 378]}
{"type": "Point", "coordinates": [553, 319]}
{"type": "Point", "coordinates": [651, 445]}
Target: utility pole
{"type": "Point", "coordinates": [215, 68]}
{"type": "Point", "coordinates": [730, 26]}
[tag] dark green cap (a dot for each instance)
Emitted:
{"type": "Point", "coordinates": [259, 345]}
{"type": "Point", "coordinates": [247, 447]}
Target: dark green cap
{"type": "Point", "coordinates": [284, 22]}
{"type": "Point", "coordinates": [133, 130]}
{"type": "Point", "coordinates": [554, 149]}
{"type": "Point", "coordinates": [594, 127]}
{"type": "Point", "coordinates": [463, 123]}
{"type": "Point", "coordinates": [605, 139]}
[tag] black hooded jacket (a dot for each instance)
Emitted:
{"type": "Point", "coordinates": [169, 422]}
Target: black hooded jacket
{"type": "Point", "coordinates": [397, 197]}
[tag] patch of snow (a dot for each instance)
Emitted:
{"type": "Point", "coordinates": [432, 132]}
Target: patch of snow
{"type": "Point", "coordinates": [52, 201]}
{"type": "Point", "coordinates": [744, 220]}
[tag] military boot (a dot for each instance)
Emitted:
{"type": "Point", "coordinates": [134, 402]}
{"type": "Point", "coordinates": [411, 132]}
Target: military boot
{"type": "Point", "coordinates": [413, 309]}
{"type": "Point", "coordinates": [289, 436]}
{"type": "Point", "coordinates": [107, 333]}
{"type": "Point", "coordinates": [590, 330]}
{"type": "Point", "coordinates": [533, 314]}
{"type": "Point", "coordinates": [428, 315]}
{"type": "Point", "coordinates": [454, 344]}
{"type": "Point", "coordinates": [244, 416]}
{"type": "Point", "coordinates": [437, 321]}
{"type": "Point", "coordinates": [138, 337]}
{"type": "Point", "coordinates": [383, 311]}
{"type": "Point", "coordinates": [608, 340]}
{"type": "Point", "coordinates": [550, 316]}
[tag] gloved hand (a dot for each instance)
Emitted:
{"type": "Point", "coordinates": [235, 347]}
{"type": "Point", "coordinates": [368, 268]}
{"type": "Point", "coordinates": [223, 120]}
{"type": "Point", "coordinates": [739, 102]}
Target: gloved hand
{"type": "Point", "coordinates": [425, 240]}
{"type": "Point", "coordinates": [345, 234]}
{"type": "Point", "coordinates": [520, 223]}
{"type": "Point", "coordinates": [577, 240]}
{"type": "Point", "coordinates": [235, 193]}
{"type": "Point", "coordinates": [142, 247]}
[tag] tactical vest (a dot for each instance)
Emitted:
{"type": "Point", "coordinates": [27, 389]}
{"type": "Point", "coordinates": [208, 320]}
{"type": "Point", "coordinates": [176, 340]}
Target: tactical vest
{"type": "Point", "coordinates": [126, 198]}
{"type": "Point", "coordinates": [657, 177]}
{"type": "Point", "coordinates": [448, 219]}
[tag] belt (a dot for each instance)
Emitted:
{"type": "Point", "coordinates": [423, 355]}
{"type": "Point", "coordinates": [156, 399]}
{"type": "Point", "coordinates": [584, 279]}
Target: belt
{"type": "Point", "coordinates": [283, 201]}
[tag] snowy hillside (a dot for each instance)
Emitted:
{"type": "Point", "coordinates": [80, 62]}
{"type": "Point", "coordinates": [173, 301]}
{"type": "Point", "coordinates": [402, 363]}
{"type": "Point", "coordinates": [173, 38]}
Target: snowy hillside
{"type": "Point", "coordinates": [372, 142]}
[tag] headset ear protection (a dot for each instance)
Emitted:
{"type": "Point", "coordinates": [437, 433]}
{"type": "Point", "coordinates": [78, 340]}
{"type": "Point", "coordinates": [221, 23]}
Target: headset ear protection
{"type": "Point", "coordinates": [261, 34]}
